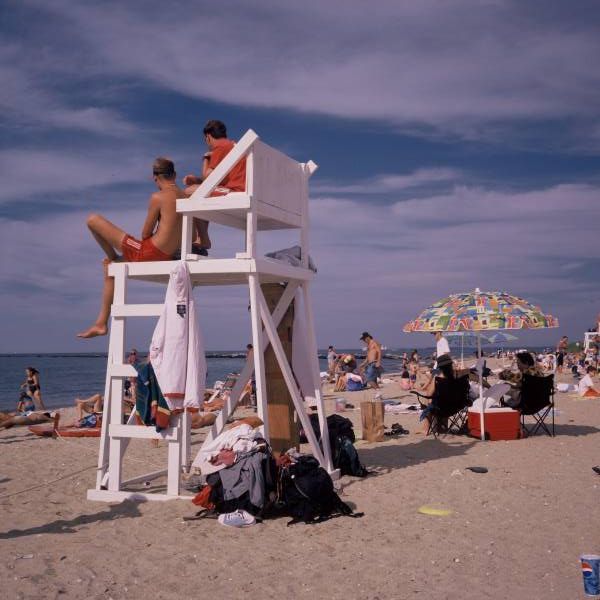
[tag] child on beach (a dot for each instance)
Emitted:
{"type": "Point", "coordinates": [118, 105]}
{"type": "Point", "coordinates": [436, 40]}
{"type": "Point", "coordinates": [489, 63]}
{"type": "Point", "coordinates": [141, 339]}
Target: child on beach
{"type": "Point", "coordinates": [25, 404]}
{"type": "Point", "coordinates": [405, 382]}
{"type": "Point", "coordinates": [586, 385]}
{"type": "Point", "coordinates": [215, 136]}
{"type": "Point", "coordinates": [161, 237]}
{"type": "Point", "coordinates": [413, 368]}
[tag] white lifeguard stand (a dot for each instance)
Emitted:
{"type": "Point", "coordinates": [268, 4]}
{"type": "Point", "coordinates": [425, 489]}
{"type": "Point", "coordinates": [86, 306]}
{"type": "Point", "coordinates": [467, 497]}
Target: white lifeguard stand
{"type": "Point", "coordinates": [276, 197]}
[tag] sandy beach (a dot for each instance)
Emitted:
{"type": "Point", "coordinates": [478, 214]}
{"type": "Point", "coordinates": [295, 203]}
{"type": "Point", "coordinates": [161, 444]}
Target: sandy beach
{"type": "Point", "coordinates": [515, 531]}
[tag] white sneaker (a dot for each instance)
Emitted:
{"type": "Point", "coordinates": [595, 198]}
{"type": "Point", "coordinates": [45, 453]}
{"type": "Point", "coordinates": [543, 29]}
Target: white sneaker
{"type": "Point", "coordinates": [239, 518]}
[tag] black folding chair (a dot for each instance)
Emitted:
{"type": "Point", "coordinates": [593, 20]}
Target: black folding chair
{"type": "Point", "coordinates": [537, 401]}
{"type": "Point", "coordinates": [448, 405]}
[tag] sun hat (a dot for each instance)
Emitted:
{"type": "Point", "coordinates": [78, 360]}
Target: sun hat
{"type": "Point", "coordinates": [365, 334]}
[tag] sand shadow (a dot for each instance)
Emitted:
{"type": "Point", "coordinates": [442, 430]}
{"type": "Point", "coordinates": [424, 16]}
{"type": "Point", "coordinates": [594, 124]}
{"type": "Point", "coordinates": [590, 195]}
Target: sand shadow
{"type": "Point", "coordinates": [382, 460]}
{"type": "Point", "coordinates": [569, 429]}
{"type": "Point", "coordinates": [124, 510]}
{"type": "Point", "coordinates": [16, 439]}
{"type": "Point", "coordinates": [398, 456]}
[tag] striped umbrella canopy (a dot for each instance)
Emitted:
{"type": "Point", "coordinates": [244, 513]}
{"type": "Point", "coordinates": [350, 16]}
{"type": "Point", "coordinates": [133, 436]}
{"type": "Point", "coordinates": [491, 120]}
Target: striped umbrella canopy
{"type": "Point", "coordinates": [480, 311]}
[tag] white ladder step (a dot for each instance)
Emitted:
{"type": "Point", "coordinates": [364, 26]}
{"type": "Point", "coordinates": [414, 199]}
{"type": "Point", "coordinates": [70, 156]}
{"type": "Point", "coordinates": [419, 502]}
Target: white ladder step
{"type": "Point", "coordinates": [117, 370]}
{"type": "Point", "coordinates": [141, 431]}
{"type": "Point", "coordinates": [137, 310]}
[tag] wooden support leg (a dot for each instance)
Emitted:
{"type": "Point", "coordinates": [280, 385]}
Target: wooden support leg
{"type": "Point", "coordinates": [271, 331]}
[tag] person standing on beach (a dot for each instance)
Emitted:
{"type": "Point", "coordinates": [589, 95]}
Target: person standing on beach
{"type": "Point", "coordinates": [34, 389]}
{"type": "Point", "coordinates": [561, 350]}
{"type": "Point", "coordinates": [215, 136]}
{"type": "Point", "coordinates": [441, 345]}
{"type": "Point", "coordinates": [331, 360]}
{"type": "Point", "coordinates": [372, 362]}
{"type": "Point", "coordinates": [161, 237]}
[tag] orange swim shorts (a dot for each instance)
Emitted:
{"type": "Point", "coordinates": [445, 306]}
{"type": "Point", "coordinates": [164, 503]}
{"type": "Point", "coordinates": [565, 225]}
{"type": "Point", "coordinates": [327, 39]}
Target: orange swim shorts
{"type": "Point", "coordinates": [135, 251]}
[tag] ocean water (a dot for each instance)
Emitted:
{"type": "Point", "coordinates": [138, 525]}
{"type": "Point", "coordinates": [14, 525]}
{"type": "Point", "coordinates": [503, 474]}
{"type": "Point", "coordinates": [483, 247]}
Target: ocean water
{"type": "Point", "coordinates": [64, 377]}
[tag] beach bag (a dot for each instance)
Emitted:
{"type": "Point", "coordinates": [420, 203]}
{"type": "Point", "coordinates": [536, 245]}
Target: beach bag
{"type": "Point", "coordinates": [345, 458]}
{"type": "Point", "coordinates": [341, 442]}
{"type": "Point", "coordinates": [306, 491]}
{"type": "Point", "coordinates": [372, 421]}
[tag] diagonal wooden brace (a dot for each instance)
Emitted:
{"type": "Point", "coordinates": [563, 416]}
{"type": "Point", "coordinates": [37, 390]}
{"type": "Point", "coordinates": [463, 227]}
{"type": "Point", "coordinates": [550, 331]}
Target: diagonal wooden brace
{"type": "Point", "coordinates": [288, 375]}
{"type": "Point", "coordinates": [246, 374]}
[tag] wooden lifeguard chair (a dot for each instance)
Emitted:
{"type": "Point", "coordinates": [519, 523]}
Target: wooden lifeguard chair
{"type": "Point", "coordinates": [276, 197]}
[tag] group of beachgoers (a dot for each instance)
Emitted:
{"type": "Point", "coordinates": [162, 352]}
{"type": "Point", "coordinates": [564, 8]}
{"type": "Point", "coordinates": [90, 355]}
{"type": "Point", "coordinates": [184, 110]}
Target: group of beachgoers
{"type": "Point", "coordinates": [161, 231]}
{"type": "Point", "coordinates": [350, 375]}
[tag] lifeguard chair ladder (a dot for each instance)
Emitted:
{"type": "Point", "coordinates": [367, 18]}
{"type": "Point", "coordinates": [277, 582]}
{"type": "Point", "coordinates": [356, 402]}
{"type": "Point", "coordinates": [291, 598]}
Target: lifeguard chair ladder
{"type": "Point", "coordinates": [276, 197]}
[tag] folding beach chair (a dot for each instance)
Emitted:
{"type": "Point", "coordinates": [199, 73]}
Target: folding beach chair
{"type": "Point", "coordinates": [537, 401]}
{"type": "Point", "coordinates": [448, 406]}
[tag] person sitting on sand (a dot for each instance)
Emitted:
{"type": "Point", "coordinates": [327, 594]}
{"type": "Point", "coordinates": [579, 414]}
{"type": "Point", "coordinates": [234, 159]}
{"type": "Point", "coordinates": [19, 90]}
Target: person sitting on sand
{"type": "Point", "coordinates": [8, 420]}
{"type": "Point", "coordinates": [346, 363]}
{"type": "Point", "coordinates": [215, 136]}
{"type": "Point", "coordinates": [526, 365]}
{"type": "Point", "coordinates": [587, 389]}
{"type": "Point", "coordinates": [405, 383]}
{"type": "Point", "coordinates": [25, 405]}
{"type": "Point", "coordinates": [161, 237]}
{"type": "Point", "coordinates": [91, 405]}
{"type": "Point", "coordinates": [445, 370]}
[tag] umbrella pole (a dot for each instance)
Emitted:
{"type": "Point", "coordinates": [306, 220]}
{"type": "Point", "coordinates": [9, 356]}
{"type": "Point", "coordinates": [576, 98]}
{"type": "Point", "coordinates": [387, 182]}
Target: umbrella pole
{"type": "Point", "coordinates": [481, 417]}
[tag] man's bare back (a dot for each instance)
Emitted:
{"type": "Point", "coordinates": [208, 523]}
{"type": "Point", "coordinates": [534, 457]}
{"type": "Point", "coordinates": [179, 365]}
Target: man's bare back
{"type": "Point", "coordinates": [167, 236]}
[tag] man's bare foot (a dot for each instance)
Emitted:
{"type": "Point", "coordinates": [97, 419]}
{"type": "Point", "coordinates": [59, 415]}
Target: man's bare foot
{"type": "Point", "coordinates": [93, 331]}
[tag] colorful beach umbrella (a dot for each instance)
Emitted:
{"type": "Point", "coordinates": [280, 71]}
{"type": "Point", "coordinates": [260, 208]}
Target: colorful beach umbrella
{"type": "Point", "coordinates": [479, 311]}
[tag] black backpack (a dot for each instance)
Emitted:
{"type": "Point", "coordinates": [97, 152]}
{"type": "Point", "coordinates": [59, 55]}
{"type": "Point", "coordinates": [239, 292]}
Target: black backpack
{"type": "Point", "coordinates": [341, 441]}
{"type": "Point", "coordinates": [306, 491]}
{"type": "Point", "coordinates": [345, 458]}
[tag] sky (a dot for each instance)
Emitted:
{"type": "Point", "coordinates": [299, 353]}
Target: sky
{"type": "Point", "coordinates": [458, 146]}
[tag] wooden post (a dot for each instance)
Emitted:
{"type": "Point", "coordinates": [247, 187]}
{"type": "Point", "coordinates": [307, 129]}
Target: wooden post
{"type": "Point", "coordinates": [283, 431]}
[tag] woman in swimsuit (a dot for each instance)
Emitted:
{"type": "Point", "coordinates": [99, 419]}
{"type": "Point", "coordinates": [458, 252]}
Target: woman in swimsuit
{"type": "Point", "coordinates": [32, 383]}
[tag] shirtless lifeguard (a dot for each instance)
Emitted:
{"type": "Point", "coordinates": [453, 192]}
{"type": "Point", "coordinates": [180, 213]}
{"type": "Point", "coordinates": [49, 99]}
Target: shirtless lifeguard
{"type": "Point", "coordinates": [161, 237]}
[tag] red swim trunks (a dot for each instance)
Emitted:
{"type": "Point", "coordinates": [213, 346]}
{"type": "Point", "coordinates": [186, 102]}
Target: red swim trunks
{"type": "Point", "coordinates": [144, 251]}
